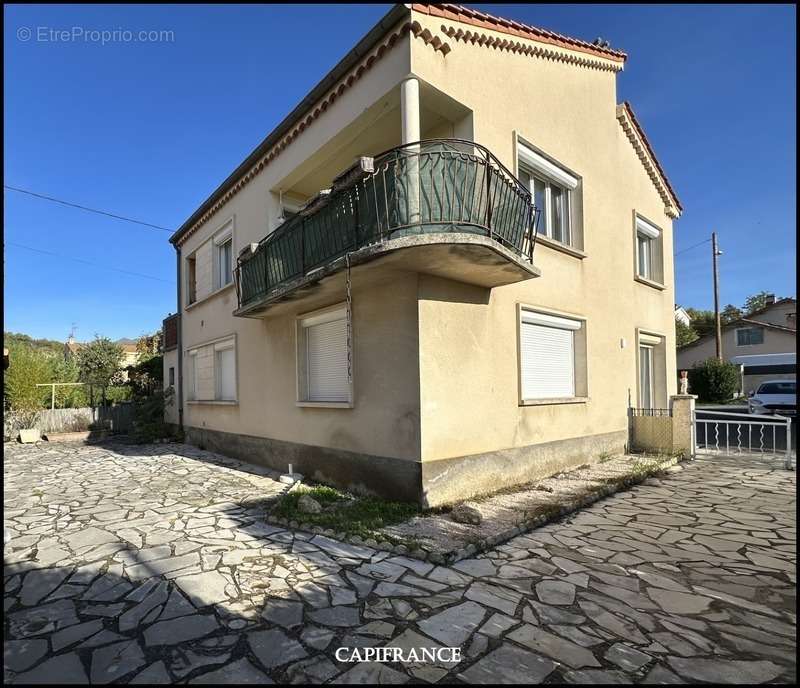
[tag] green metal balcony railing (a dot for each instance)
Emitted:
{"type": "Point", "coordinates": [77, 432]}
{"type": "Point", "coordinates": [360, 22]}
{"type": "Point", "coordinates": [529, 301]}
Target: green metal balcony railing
{"type": "Point", "coordinates": [442, 185]}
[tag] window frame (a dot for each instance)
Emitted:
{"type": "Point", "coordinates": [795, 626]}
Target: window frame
{"type": "Point", "coordinates": [222, 237]}
{"type": "Point", "coordinates": [657, 343]}
{"type": "Point", "coordinates": [653, 236]}
{"type": "Point", "coordinates": [580, 370]}
{"type": "Point", "coordinates": [550, 173]}
{"type": "Point", "coordinates": [219, 348]}
{"type": "Point", "coordinates": [749, 329]}
{"type": "Point", "coordinates": [302, 322]}
{"type": "Point", "coordinates": [191, 279]}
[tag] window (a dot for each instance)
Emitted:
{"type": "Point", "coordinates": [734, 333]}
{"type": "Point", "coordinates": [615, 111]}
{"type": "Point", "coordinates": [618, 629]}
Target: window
{"type": "Point", "coordinates": [171, 376]}
{"type": "Point", "coordinates": [548, 345]}
{"type": "Point", "coordinates": [749, 336]}
{"type": "Point", "coordinates": [212, 371]}
{"type": "Point", "coordinates": [652, 371]}
{"type": "Point", "coordinates": [193, 385]}
{"type": "Point", "coordinates": [648, 251]}
{"type": "Point", "coordinates": [191, 280]}
{"type": "Point", "coordinates": [553, 190]}
{"type": "Point", "coordinates": [223, 259]}
{"type": "Point", "coordinates": [225, 371]}
{"type": "Point", "coordinates": [646, 376]}
{"type": "Point", "coordinates": [322, 354]}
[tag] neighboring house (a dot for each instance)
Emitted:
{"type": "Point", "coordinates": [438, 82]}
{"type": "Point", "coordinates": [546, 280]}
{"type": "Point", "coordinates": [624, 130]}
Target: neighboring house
{"type": "Point", "coordinates": [130, 354]}
{"type": "Point", "coordinates": [764, 343]}
{"type": "Point", "coordinates": [682, 316]}
{"type": "Point", "coordinates": [389, 326]}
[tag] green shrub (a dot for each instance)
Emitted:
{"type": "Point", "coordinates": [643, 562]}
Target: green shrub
{"type": "Point", "coordinates": [714, 380]}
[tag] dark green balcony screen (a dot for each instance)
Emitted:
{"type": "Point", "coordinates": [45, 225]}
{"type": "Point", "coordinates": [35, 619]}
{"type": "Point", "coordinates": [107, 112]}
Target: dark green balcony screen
{"type": "Point", "coordinates": [429, 187]}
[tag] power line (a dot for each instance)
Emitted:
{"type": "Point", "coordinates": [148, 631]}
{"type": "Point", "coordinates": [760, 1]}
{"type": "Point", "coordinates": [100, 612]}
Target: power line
{"type": "Point", "coordinates": [82, 207]}
{"type": "Point", "coordinates": [86, 262]}
{"type": "Point", "coordinates": [691, 247]}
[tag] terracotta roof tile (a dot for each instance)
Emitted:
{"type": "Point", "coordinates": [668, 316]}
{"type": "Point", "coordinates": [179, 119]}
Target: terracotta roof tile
{"type": "Point", "coordinates": [509, 26]}
{"type": "Point", "coordinates": [652, 153]}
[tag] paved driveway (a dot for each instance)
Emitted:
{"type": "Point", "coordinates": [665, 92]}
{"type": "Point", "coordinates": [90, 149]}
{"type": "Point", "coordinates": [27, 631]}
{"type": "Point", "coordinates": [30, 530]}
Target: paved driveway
{"type": "Point", "coordinates": [153, 564]}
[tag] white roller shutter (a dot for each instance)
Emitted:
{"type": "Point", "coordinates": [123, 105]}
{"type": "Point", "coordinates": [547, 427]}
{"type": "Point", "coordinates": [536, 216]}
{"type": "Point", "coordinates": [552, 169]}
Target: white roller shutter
{"type": "Point", "coordinates": [548, 356]}
{"type": "Point", "coordinates": [326, 350]}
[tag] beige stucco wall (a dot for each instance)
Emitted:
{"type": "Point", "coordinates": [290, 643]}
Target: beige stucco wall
{"type": "Point", "coordinates": [779, 315]}
{"type": "Point", "coordinates": [775, 342]}
{"type": "Point", "coordinates": [468, 337]}
{"type": "Point", "coordinates": [384, 419]}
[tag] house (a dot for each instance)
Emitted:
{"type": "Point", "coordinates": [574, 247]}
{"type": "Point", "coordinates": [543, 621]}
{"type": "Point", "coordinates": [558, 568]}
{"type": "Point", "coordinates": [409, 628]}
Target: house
{"type": "Point", "coordinates": [682, 316]}
{"type": "Point", "coordinates": [448, 270]}
{"type": "Point", "coordinates": [130, 355]}
{"type": "Point", "coordinates": [764, 343]}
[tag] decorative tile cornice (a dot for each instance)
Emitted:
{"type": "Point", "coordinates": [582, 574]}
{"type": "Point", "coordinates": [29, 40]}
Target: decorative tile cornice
{"type": "Point", "coordinates": [645, 153]}
{"type": "Point", "coordinates": [389, 41]}
{"type": "Point", "coordinates": [498, 43]}
{"type": "Point", "coordinates": [482, 20]}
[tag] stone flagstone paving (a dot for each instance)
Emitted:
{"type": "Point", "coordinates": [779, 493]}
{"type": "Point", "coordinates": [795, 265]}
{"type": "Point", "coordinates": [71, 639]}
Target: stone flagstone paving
{"type": "Point", "coordinates": [154, 565]}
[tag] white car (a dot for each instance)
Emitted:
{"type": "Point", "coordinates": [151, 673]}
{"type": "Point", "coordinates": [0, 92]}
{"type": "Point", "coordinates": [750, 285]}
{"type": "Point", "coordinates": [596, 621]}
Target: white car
{"type": "Point", "coordinates": [778, 397]}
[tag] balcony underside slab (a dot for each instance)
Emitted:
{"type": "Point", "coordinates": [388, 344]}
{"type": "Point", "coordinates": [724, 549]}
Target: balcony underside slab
{"type": "Point", "coordinates": [469, 258]}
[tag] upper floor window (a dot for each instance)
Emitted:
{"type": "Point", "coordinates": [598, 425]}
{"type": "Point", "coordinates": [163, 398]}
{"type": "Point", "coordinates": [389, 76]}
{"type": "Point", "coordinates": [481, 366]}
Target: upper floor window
{"type": "Point", "coordinates": [648, 251]}
{"type": "Point", "coordinates": [554, 192]}
{"type": "Point", "coordinates": [749, 336]}
{"type": "Point", "coordinates": [223, 258]}
{"type": "Point", "coordinates": [191, 280]}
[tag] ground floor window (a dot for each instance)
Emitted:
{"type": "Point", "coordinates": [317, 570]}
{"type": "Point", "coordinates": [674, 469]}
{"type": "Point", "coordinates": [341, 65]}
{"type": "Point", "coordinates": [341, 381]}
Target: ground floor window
{"type": "Point", "coordinates": [323, 357]}
{"type": "Point", "coordinates": [651, 371]}
{"type": "Point", "coordinates": [212, 371]}
{"type": "Point", "coordinates": [549, 361]}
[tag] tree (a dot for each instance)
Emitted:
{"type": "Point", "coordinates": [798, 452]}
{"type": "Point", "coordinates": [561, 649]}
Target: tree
{"type": "Point", "coordinates": [147, 346]}
{"type": "Point", "coordinates": [22, 398]}
{"type": "Point", "coordinates": [729, 314]}
{"type": "Point", "coordinates": [684, 334]}
{"type": "Point", "coordinates": [756, 302]}
{"type": "Point", "coordinates": [99, 364]}
{"type": "Point", "coordinates": [714, 380]}
{"type": "Point", "coordinates": [702, 321]}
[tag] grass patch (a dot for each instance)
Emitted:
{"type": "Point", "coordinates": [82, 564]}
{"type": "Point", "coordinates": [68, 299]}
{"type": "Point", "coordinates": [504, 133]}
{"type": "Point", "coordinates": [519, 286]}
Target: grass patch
{"type": "Point", "coordinates": [342, 512]}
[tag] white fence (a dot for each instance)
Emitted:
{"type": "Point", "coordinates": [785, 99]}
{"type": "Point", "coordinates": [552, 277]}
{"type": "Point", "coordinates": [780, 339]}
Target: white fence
{"type": "Point", "coordinates": [119, 416]}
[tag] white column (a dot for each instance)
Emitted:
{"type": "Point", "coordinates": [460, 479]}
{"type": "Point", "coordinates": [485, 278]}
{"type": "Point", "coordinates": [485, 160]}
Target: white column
{"type": "Point", "coordinates": [409, 130]}
{"type": "Point", "coordinates": [409, 109]}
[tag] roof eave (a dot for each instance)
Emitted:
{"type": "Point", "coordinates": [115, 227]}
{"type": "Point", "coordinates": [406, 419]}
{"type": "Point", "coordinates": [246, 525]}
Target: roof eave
{"type": "Point", "coordinates": [389, 20]}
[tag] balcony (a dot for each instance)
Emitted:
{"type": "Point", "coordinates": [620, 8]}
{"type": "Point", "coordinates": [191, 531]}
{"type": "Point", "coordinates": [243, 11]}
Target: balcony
{"type": "Point", "coordinates": [445, 207]}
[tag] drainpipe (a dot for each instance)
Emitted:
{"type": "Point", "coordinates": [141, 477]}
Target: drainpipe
{"type": "Point", "coordinates": [410, 133]}
{"type": "Point", "coordinates": [179, 386]}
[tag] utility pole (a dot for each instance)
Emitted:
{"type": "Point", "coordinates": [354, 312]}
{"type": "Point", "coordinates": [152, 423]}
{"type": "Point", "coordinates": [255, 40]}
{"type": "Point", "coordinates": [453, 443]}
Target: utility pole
{"type": "Point", "coordinates": [717, 322]}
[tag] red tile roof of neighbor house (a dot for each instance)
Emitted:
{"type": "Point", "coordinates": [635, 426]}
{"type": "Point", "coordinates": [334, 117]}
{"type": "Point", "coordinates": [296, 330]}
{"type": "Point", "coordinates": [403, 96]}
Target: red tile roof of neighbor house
{"type": "Point", "coordinates": [465, 15]}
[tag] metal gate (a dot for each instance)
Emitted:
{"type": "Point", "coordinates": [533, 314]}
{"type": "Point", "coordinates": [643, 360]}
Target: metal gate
{"type": "Point", "coordinates": [722, 432]}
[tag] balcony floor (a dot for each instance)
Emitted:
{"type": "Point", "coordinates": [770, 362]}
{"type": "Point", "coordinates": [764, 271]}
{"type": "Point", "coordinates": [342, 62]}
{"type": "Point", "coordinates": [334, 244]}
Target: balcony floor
{"type": "Point", "coordinates": [469, 258]}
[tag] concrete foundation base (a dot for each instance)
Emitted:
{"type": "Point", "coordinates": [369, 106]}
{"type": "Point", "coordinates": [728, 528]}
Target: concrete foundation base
{"type": "Point", "coordinates": [451, 480]}
{"type": "Point", "coordinates": [430, 483]}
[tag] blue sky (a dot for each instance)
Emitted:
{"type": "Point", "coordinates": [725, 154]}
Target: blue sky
{"type": "Point", "coordinates": [148, 130]}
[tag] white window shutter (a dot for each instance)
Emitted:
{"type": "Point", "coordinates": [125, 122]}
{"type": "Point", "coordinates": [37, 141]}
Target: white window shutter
{"type": "Point", "coordinates": [326, 346]}
{"type": "Point", "coordinates": [548, 361]}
